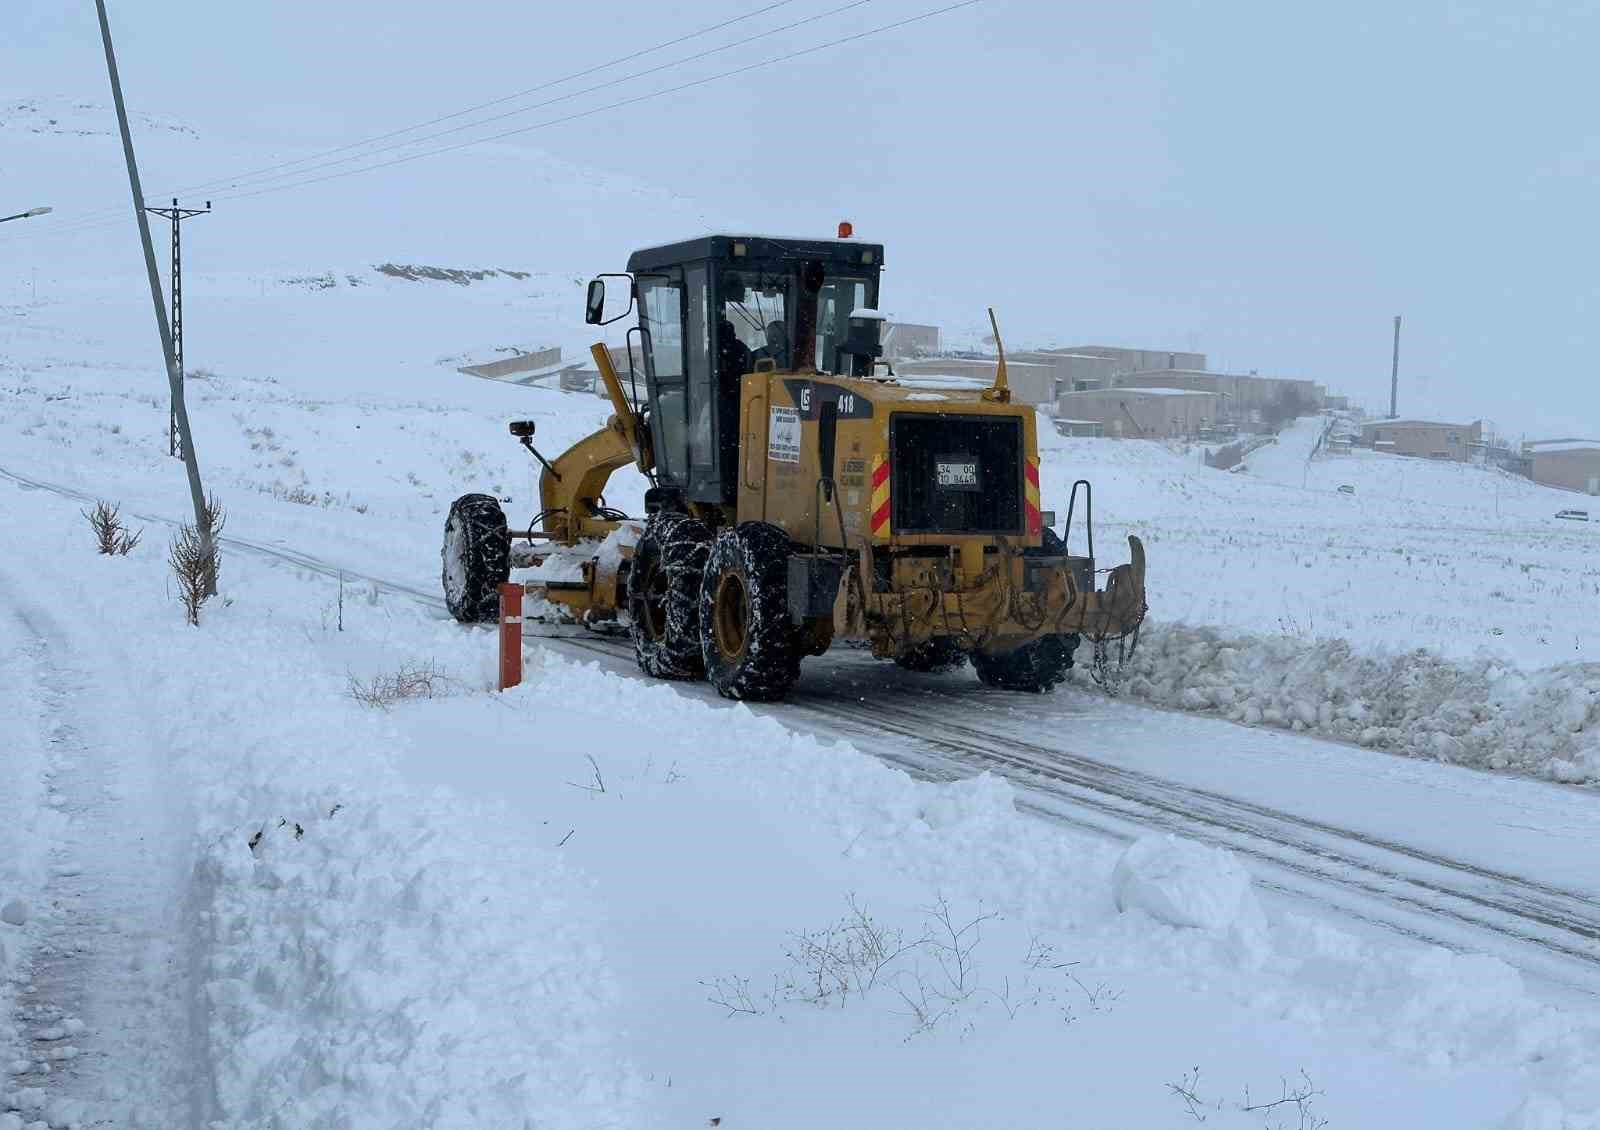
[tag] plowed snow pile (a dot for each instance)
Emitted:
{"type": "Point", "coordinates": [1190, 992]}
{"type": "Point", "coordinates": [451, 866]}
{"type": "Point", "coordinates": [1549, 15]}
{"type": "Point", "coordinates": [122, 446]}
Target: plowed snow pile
{"type": "Point", "coordinates": [1440, 611]}
{"type": "Point", "coordinates": [1483, 712]}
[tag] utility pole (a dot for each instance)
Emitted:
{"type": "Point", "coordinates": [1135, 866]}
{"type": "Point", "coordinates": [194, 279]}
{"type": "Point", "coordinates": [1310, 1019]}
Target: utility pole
{"type": "Point", "coordinates": [177, 215]}
{"type": "Point", "coordinates": [180, 410]}
{"type": "Point", "coordinates": [1394, 374]}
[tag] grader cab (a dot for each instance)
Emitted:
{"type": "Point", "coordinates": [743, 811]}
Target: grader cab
{"type": "Point", "coordinates": [799, 494]}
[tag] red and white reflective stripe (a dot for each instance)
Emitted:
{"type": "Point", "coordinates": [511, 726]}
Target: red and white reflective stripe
{"type": "Point", "coordinates": [1030, 495]}
{"type": "Point", "coordinates": [880, 497]}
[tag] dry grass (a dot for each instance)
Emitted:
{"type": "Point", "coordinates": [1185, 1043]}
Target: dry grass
{"type": "Point", "coordinates": [411, 680]}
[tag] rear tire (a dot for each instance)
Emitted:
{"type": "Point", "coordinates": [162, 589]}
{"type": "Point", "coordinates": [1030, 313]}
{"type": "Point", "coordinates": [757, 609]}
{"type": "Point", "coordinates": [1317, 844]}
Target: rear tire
{"type": "Point", "coordinates": [750, 646]}
{"type": "Point", "coordinates": [941, 653]}
{"type": "Point", "coordinates": [664, 595]}
{"type": "Point", "coordinates": [476, 558]}
{"type": "Point", "coordinates": [1035, 667]}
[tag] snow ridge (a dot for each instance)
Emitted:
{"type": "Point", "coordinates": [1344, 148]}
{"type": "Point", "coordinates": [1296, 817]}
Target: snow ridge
{"type": "Point", "coordinates": [1483, 712]}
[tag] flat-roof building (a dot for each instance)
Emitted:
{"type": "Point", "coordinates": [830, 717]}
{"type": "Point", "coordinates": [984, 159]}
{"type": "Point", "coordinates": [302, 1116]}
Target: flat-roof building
{"type": "Point", "coordinates": [1426, 439]}
{"type": "Point", "coordinates": [1029, 383]}
{"type": "Point", "coordinates": [1142, 413]}
{"type": "Point", "coordinates": [1570, 464]}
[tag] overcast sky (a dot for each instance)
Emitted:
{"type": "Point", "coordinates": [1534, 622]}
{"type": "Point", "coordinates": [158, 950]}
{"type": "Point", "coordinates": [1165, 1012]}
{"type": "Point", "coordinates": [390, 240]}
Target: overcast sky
{"type": "Point", "coordinates": [1267, 183]}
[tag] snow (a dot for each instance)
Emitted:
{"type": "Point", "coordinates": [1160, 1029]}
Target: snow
{"type": "Point", "coordinates": [465, 908]}
{"type": "Point", "coordinates": [1183, 883]}
{"type": "Point", "coordinates": [1553, 446]}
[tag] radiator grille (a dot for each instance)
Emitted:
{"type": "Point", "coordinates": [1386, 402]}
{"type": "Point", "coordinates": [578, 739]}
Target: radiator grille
{"type": "Point", "coordinates": [981, 499]}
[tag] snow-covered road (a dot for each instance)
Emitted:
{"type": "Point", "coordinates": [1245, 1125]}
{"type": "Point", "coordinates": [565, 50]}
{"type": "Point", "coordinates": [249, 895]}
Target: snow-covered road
{"type": "Point", "coordinates": [1473, 861]}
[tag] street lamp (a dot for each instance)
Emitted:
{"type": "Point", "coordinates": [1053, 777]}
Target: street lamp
{"type": "Point", "coordinates": [31, 212]}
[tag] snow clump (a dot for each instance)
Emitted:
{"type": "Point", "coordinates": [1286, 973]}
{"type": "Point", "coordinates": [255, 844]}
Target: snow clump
{"type": "Point", "coordinates": [1183, 883]}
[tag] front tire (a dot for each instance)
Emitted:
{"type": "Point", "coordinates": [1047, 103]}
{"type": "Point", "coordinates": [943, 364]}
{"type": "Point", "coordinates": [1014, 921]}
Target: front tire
{"type": "Point", "coordinates": [476, 558]}
{"type": "Point", "coordinates": [750, 646]}
{"type": "Point", "coordinates": [664, 595]}
{"type": "Point", "coordinates": [1034, 667]}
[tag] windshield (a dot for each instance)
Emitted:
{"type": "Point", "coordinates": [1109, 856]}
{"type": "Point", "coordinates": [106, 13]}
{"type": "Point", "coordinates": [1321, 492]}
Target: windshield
{"type": "Point", "coordinates": [768, 313]}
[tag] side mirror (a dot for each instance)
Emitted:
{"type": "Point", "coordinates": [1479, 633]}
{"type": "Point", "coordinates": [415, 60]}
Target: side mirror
{"type": "Point", "coordinates": [594, 311]}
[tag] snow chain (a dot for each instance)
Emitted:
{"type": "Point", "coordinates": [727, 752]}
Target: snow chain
{"type": "Point", "coordinates": [1106, 676]}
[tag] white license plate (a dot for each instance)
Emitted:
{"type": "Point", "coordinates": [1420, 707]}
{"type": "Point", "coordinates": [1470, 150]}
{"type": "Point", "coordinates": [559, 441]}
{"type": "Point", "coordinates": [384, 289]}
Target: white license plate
{"type": "Point", "coordinates": [957, 474]}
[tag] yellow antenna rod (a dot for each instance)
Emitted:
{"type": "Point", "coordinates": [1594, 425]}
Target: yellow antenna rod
{"type": "Point", "coordinates": [1001, 391]}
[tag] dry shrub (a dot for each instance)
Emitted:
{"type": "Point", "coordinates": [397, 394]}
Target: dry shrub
{"type": "Point", "coordinates": [196, 560]}
{"type": "Point", "coordinates": [111, 536]}
{"type": "Point", "coordinates": [412, 680]}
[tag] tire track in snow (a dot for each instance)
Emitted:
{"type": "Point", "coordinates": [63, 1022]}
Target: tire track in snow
{"type": "Point", "coordinates": [1546, 929]}
{"type": "Point", "coordinates": [102, 1010]}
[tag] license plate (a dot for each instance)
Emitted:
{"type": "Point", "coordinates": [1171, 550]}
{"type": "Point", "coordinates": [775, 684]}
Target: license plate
{"type": "Point", "coordinates": [956, 472]}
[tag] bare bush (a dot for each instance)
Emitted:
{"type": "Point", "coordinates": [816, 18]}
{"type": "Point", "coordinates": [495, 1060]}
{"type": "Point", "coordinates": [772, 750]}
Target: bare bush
{"type": "Point", "coordinates": [1296, 1102]}
{"type": "Point", "coordinates": [196, 559]}
{"type": "Point", "coordinates": [420, 680]}
{"type": "Point", "coordinates": [111, 536]}
{"type": "Point", "coordinates": [934, 973]}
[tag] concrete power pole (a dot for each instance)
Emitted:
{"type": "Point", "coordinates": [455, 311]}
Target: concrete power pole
{"type": "Point", "coordinates": [1394, 373]}
{"type": "Point", "coordinates": [177, 215]}
{"type": "Point", "coordinates": [179, 410]}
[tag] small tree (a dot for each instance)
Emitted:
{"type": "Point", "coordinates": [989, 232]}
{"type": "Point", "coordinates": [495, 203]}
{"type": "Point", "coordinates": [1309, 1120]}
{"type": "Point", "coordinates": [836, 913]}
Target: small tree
{"type": "Point", "coordinates": [196, 560]}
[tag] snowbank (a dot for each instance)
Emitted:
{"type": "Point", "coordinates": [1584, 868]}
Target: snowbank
{"type": "Point", "coordinates": [1183, 883]}
{"type": "Point", "coordinates": [365, 954]}
{"type": "Point", "coordinates": [1483, 712]}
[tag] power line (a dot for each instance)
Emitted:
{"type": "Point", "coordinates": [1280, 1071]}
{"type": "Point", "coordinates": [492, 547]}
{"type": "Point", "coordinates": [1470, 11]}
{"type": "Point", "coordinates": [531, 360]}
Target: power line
{"type": "Point", "coordinates": [746, 69]}
{"type": "Point", "coordinates": [80, 222]}
{"type": "Point", "coordinates": [548, 102]}
{"type": "Point", "coordinates": [609, 106]}
{"type": "Point", "coordinates": [229, 180]}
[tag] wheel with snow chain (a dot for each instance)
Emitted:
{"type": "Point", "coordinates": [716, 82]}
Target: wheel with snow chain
{"type": "Point", "coordinates": [476, 558]}
{"type": "Point", "coordinates": [1036, 667]}
{"type": "Point", "coordinates": [942, 653]}
{"type": "Point", "coordinates": [750, 646]}
{"type": "Point", "coordinates": [664, 595]}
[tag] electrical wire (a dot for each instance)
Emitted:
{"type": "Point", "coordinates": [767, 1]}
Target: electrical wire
{"type": "Point", "coordinates": [611, 105]}
{"type": "Point", "coordinates": [113, 213]}
{"type": "Point", "coordinates": [546, 85]}
{"type": "Point", "coordinates": [578, 115]}
{"type": "Point", "coordinates": [261, 181]}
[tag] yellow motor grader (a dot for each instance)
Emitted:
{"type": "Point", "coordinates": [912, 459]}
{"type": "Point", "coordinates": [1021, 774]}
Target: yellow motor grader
{"type": "Point", "coordinates": [799, 494]}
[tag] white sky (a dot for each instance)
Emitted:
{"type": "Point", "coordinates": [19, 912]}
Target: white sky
{"type": "Point", "coordinates": [1268, 183]}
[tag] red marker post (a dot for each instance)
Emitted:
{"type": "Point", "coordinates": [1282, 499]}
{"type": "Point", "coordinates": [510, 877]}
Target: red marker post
{"type": "Point", "coordinates": [511, 595]}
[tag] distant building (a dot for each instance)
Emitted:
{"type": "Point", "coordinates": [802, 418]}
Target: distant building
{"type": "Point", "coordinates": [1086, 428]}
{"type": "Point", "coordinates": [1245, 397]}
{"type": "Point", "coordinates": [1030, 383]}
{"type": "Point", "coordinates": [1427, 439]}
{"type": "Point", "coordinates": [1142, 413]}
{"type": "Point", "coordinates": [1570, 464]}
{"type": "Point", "coordinates": [1074, 372]}
{"type": "Point", "coordinates": [907, 339]}
{"type": "Point", "coordinates": [1126, 360]}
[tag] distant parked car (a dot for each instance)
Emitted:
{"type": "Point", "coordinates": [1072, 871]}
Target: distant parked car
{"type": "Point", "coordinates": [1346, 488]}
{"type": "Point", "coordinates": [1573, 515]}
